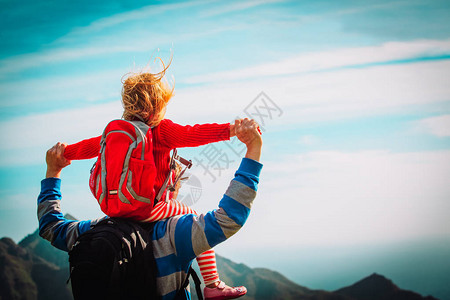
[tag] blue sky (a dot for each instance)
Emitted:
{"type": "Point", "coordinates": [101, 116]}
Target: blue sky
{"type": "Point", "coordinates": [356, 153]}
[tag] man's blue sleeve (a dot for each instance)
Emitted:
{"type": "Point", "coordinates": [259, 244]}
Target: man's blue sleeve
{"type": "Point", "coordinates": [194, 235]}
{"type": "Point", "coordinates": [53, 226]}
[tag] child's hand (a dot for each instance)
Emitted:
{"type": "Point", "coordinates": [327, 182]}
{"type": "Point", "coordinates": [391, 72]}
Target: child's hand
{"type": "Point", "coordinates": [56, 161]}
{"type": "Point", "coordinates": [232, 131]}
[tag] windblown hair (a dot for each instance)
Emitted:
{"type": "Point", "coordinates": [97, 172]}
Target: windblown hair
{"type": "Point", "coordinates": [145, 96]}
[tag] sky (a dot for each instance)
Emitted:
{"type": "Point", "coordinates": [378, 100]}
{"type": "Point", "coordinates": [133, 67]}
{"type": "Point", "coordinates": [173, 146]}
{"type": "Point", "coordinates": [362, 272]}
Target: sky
{"type": "Point", "coordinates": [353, 98]}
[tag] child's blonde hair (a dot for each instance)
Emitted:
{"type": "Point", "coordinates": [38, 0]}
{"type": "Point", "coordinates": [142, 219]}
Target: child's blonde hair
{"type": "Point", "coordinates": [145, 96]}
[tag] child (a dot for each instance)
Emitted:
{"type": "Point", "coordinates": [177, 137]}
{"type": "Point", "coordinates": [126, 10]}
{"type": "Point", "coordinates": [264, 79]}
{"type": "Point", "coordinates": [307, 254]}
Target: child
{"type": "Point", "coordinates": [145, 97]}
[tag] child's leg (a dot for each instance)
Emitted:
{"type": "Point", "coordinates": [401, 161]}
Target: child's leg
{"type": "Point", "coordinates": [163, 210]}
{"type": "Point", "coordinates": [214, 288]}
{"type": "Point", "coordinates": [207, 263]}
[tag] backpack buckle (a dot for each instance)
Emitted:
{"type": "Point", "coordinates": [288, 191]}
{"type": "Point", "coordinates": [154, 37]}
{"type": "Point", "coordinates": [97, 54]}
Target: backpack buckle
{"type": "Point", "coordinates": [187, 165]}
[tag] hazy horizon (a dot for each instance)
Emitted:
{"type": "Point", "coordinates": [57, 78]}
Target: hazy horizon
{"type": "Point", "coordinates": [328, 268]}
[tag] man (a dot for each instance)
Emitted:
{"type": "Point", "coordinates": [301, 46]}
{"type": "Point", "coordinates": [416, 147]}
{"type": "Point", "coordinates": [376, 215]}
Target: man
{"type": "Point", "coordinates": [176, 241]}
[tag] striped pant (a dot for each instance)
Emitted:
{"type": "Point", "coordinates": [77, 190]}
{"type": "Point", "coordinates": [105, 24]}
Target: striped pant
{"type": "Point", "coordinates": [207, 260]}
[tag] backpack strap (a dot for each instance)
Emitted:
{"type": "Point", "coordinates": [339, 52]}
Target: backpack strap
{"type": "Point", "coordinates": [168, 177]}
{"type": "Point", "coordinates": [141, 130]}
{"type": "Point", "coordinates": [137, 116]}
{"type": "Point", "coordinates": [197, 283]}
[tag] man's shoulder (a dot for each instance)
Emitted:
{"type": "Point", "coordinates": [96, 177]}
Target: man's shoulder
{"type": "Point", "coordinates": [159, 229]}
{"type": "Point", "coordinates": [163, 227]}
{"type": "Point", "coordinates": [172, 227]}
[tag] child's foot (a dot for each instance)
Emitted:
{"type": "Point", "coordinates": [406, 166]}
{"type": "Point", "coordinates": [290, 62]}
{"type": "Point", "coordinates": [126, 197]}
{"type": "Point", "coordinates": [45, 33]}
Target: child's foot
{"type": "Point", "coordinates": [223, 291]}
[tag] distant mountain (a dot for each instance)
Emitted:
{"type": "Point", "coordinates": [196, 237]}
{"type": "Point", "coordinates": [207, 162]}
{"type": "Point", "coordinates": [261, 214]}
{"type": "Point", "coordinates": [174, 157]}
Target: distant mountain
{"type": "Point", "coordinates": [34, 269]}
{"type": "Point", "coordinates": [377, 287]}
{"type": "Point", "coordinates": [26, 276]}
{"type": "Point", "coordinates": [43, 249]}
{"type": "Point", "coordinates": [265, 284]}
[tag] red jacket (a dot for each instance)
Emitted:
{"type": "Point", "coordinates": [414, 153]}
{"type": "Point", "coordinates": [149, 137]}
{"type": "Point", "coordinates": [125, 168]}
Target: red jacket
{"type": "Point", "coordinates": [166, 136]}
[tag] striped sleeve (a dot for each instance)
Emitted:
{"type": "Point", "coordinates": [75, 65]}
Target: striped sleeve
{"type": "Point", "coordinates": [173, 135]}
{"type": "Point", "coordinates": [194, 235]}
{"type": "Point", "coordinates": [53, 226]}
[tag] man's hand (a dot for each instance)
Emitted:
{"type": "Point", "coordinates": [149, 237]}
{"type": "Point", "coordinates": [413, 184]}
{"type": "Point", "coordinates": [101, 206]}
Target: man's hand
{"type": "Point", "coordinates": [248, 132]}
{"type": "Point", "coordinates": [56, 161]}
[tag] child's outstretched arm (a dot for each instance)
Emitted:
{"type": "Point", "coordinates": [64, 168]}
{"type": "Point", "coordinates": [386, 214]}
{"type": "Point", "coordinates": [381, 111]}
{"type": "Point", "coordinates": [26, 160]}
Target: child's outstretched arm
{"type": "Point", "coordinates": [85, 149]}
{"type": "Point", "coordinates": [173, 135]}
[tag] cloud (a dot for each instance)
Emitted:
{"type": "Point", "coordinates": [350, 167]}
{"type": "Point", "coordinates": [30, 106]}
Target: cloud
{"type": "Point", "coordinates": [389, 52]}
{"type": "Point", "coordinates": [234, 7]}
{"type": "Point", "coordinates": [438, 126]}
{"type": "Point", "coordinates": [29, 136]}
{"type": "Point", "coordinates": [58, 55]}
{"type": "Point", "coordinates": [309, 140]}
{"type": "Point", "coordinates": [63, 50]}
{"type": "Point", "coordinates": [336, 11]}
{"type": "Point", "coordinates": [325, 96]}
{"type": "Point", "coordinates": [71, 89]}
{"type": "Point", "coordinates": [365, 8]}
{"type": "Point", "coordinates": [342, 198]}
{"type": "Point", "coordinates": [130, 36]}
{"type": "Point", "coordinates": [136, 14]}
{"type": "Point", "coordinates": [106, 46]}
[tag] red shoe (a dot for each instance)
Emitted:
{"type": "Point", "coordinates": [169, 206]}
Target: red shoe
{"type": "Point", "coordinates": [223, 291]}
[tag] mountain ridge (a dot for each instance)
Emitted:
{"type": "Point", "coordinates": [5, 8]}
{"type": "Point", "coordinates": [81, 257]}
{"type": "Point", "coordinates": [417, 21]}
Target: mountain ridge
{"type": "Point", "coordinates": [34, 269]}
{"type": "Point", "coordinates": [377, 286]}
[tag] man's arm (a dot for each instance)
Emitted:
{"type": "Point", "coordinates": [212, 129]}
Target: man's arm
{"type": "Point", "coordinates": [192, 235]}
{"type": "Point", "coordinates": [61, 232]}
{"type": "Point", "coordinates": [248, 132]}
{"type": "Point", "coordinates": [56, 161]}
